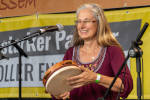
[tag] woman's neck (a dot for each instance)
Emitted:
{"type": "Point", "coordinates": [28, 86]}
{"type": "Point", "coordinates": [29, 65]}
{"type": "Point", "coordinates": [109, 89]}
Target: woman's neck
{"type": "Point", "coordinates": [89, 51]}
{"type": "Point", "coordinates": [89, 45]}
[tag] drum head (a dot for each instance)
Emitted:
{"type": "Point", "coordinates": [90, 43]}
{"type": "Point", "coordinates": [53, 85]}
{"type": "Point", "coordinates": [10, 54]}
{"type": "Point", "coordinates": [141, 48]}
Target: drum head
{"type": "Point", "coordinates": [57, 83]}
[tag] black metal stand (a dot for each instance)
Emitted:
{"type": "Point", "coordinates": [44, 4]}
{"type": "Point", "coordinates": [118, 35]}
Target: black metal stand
{"type": "Point", "coordinates": [20, 79]}
{"type": "Point", "coordinates": [21, 53]}
{"type": "Point", "coordinates": [138, 65]}
{"type": "Point", "coordinates": [114, 80]}
{"type": "Point", "coordinates": [134, 51]}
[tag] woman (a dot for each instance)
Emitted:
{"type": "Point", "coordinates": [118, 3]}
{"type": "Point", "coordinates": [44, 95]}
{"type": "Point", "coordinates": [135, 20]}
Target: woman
{"type": "Point", "coordinates": [100, 56]}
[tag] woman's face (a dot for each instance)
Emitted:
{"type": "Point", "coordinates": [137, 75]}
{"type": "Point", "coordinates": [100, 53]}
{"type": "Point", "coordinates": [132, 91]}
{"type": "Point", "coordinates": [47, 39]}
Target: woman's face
{"type": "Point", "coordinates": [86, 24]}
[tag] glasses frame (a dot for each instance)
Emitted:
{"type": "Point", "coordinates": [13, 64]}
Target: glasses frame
{"type": "Point", "coordinates": [85, 21]}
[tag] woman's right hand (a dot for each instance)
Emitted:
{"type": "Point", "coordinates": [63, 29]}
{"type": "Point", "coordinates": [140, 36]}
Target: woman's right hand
{"type": "Point", "coordinates": [63, 96]}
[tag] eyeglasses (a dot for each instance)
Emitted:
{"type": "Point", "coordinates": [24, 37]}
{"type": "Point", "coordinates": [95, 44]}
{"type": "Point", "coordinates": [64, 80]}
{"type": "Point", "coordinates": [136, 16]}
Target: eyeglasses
{"type": "Point", "coordinates": [85, 21]}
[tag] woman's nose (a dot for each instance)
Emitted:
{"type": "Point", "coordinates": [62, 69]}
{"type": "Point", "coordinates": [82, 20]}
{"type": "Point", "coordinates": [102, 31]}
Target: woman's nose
{"type": "Point", "coordinates": [82, 24]}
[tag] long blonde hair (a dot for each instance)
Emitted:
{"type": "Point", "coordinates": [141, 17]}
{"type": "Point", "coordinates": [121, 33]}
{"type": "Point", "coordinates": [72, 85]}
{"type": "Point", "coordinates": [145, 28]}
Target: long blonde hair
{"type": "Point", "coordinates": [104, 35]}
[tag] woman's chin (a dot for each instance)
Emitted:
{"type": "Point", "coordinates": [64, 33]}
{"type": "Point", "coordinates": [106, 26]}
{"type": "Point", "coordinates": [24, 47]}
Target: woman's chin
{"type": "Point", "coordinates": [84, 38]}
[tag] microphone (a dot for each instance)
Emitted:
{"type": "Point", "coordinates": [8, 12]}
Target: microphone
{"type": "Point", "coordinates": [58, 27]}
{"type": "Point", "coordinates": [142, 32]}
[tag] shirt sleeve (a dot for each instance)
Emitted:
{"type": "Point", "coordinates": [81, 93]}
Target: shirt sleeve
{"type": "Point", "coordinates": [117, 59]}
{"type": "Point", "coordinates": [69, 53]}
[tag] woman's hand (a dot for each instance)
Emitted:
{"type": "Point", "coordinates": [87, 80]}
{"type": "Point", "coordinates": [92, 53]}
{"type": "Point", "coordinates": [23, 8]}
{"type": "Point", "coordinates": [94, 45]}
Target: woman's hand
{"type": "Point", "coordinates": [63, 96]}
{"type": "Point", "coordinates": [86, 77]}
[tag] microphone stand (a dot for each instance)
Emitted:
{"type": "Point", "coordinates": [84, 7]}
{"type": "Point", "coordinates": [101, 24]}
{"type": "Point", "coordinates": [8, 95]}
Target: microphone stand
{"type": "Point", "coordinates": [114, 80]}
{"type": "Point", "coordinates": [136, 52]}
{"type": "Point", "coordinates": [28, 37]}
{"type": "Point", "coordinates": [21, 53]}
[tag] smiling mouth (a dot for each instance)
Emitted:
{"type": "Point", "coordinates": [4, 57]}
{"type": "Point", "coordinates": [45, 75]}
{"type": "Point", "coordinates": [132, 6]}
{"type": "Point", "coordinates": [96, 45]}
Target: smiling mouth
{"type": "Point", "coordinates": [83, 31]}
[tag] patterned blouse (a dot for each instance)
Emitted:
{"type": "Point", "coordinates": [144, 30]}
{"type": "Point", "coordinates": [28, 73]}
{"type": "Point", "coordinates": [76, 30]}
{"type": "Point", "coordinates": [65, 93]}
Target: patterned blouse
{"type": "Point", "coordinates": [108, 62]}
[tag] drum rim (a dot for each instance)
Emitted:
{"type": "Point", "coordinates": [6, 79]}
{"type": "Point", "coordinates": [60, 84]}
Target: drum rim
{"type": "Point", "coordinates": [62, 66]}
{"type": "Point", "coordinates": [59, 71]}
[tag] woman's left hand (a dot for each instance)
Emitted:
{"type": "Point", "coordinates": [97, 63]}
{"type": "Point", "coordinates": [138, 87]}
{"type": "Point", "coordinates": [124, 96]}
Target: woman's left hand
{"type": "Point", "coordinates": [86, 77]}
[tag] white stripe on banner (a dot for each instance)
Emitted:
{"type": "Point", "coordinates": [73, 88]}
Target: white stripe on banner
{"type": "Point", "coordinates": [33, 69]}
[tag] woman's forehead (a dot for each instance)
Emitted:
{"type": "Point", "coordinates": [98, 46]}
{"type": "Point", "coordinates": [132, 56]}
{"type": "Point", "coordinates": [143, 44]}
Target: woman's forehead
{"type": "Point", "coordinates": [85, 14]}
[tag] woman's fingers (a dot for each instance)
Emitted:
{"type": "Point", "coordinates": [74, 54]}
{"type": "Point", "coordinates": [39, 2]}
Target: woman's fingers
{"type": "Point", "coordinates": [63, 96]}
{"type": "Point", "coordinates": [79, 76]}
{"type": "Point", "coordinates": [74, 78]}
{"type": "Point", "coordinates": [82, 68]}
{"type": "Point", "coordinates": [86, 77]}
{"type": "Point", "coordinates": [77, 85]}
{"type": "Point", "coordinates": [79, 81]}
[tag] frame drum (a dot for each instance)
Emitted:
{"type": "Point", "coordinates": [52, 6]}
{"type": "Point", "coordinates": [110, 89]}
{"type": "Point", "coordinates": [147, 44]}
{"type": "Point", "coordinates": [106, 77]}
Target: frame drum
{"type": "Point", "coordinates": [55, 77]}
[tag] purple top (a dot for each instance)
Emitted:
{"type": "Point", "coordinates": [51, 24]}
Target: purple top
{"type": "Point", "coordinates": [107, 63]}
